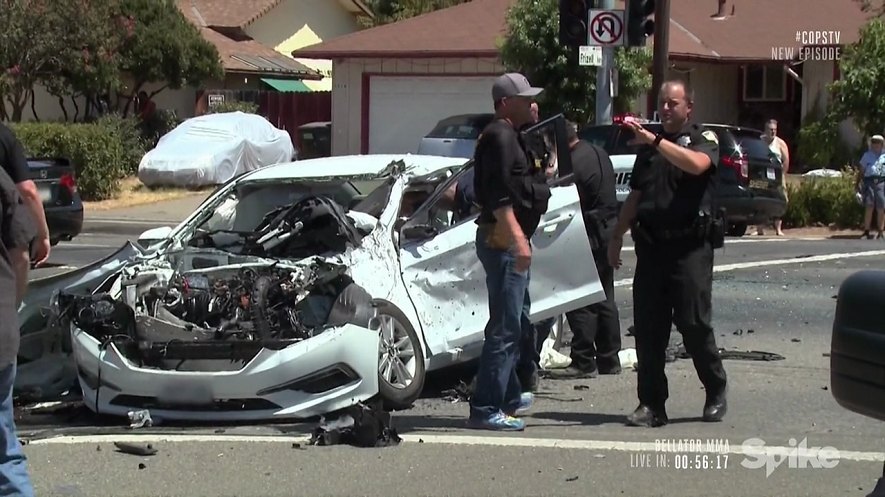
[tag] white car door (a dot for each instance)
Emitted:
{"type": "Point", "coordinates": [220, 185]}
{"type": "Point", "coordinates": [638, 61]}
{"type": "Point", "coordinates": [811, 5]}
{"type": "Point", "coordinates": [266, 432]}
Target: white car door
{"type": "Point", "coordinates": [446, 282]}
{"type": "Point", "coordinates": [443, 276]}
{"type": "Point", "coordinates": [563, 273]}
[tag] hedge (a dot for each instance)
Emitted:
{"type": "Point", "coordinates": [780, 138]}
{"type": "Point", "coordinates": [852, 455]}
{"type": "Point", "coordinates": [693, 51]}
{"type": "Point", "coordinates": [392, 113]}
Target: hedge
{"type": "Point", "coordinates": [824, 201]}
{"type": "Point", "coordinates": [103, 152]}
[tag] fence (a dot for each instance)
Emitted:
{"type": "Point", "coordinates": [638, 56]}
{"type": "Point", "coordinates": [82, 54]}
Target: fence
{"type": "Point", "coordinates": [286, 111]}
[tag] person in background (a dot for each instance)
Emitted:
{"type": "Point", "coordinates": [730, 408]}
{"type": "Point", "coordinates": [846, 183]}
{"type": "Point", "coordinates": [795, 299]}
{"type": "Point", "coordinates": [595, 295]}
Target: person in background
{"type": "Point", "coordinates": [14, 233]}
{"type": "Point", "coordinates": [871, 183]}
{"type": "Point", "coordinates": [781, 152]}
{"type": "Point", "coordinates": [36, 251]}
{"type": "Point", "coordinates": [596, 327]}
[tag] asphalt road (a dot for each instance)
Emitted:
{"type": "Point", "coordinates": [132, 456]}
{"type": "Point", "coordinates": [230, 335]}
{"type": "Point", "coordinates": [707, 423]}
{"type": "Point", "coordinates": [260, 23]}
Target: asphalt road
{"type": "Point", "coordinates": [575, 443]}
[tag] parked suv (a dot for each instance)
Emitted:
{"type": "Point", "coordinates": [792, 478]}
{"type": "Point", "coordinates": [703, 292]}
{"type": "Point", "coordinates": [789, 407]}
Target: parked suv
{"type": "Point", "coordinates": [455, 136]}
{"type": "Point", "coordinates": [749, 177]}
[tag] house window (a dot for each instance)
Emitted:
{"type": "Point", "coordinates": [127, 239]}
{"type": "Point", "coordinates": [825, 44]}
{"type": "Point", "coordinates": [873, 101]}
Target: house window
{"type": "Point", "coordinates": [764, 83]}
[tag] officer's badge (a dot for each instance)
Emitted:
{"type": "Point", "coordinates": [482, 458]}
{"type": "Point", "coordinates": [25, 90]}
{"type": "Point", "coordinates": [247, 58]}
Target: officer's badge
{"type": "Point", "coordinates": [537, 163]}
{"type": "Point", "coordinates": [711, 136]}
{"type": "Point", "coordinates": [683, 141]}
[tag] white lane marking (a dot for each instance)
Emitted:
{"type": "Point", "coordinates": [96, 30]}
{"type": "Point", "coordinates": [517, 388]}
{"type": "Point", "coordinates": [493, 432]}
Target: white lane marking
{"type": "Point", "coordinates": [82, 245]}
{"type": "Point", "coordinates": [777, 262]}
{"type": "Point", "coordinates": [549, 443]}
{"type": "Point", "coordinates": [758, 240]}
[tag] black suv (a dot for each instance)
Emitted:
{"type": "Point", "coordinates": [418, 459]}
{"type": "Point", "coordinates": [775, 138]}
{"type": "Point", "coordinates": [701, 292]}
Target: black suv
{"type": "Point", "coordinates": [749, 178]}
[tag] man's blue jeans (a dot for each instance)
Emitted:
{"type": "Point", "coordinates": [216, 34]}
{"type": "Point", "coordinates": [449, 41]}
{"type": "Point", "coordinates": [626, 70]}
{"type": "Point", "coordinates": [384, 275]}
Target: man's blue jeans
{"type": "Point", "coordinates": [497, 385]}
{"type": "Point", "coordinates": [14, 478]}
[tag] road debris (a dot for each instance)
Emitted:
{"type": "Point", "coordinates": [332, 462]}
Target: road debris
{"type": "Point", "coordinates": [460, 393]}
{"type": "Point", "coordinates": [360, 425]}
{"type": "Point", "coordinates": [140, 419]}
{"type": "Point", "coordinates": [135, 449]}
{"type": "Point", "coordinates": [582, 387]}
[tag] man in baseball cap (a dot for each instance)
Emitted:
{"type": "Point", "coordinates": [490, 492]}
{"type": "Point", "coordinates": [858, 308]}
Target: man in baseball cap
{"type": "Point", "coordinates": [512, 192]}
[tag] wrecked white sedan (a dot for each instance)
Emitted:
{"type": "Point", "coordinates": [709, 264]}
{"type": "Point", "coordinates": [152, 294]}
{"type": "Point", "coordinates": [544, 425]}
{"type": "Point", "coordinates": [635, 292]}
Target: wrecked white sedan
{"type": "Point", "coordinates": [297, 290]}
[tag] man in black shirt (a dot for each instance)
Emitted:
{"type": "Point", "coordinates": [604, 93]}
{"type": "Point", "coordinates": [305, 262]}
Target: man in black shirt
{"type": "Point", "coordinates": [513, 194]}
{"type": "Point", "coordinates": [36, 250]}
{"type": "Point", "coordinates": [14, 479]}
{"type": "Point", "coordinates": [596, 328]}
{"type": "Point", "coordinates": [675, 227]}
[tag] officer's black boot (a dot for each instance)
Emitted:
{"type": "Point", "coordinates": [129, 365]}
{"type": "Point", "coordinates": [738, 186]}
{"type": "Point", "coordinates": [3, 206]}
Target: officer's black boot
{"type": "Point", "coordinates": [715, 407]}
{"type": "Point", "coordinates": [648, 417]}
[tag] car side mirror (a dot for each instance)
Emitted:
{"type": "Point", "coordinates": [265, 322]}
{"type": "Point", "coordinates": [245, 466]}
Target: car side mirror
{"type": "Point", "coordinates": [154, 236]}
{"type": "Point", "coordinates": [857, 351]}
{"type": "Point", "coordinates": [419, 232]}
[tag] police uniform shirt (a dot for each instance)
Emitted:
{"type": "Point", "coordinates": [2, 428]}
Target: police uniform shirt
{"type": "Point", "coordinates": [12, 160]}
{"type": "Point", "coordinates": [12, 157]}
{"type": "Point", "coordinates": [504, 177]}
{"type": "Point", "coordinates": [10, 204]}
{"type": "Point", "coordinates": [670, 197]}
{"type": "Point", "coordinates": [594, 177]}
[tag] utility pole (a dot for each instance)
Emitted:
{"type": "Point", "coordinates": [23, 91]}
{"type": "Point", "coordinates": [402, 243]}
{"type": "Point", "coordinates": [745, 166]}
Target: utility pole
{"type": "Point", "coordinates": [661, 43]}
{"type": "Point", "coordinates": [603, 76]}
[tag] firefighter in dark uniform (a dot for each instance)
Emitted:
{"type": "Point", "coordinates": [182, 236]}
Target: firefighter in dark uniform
{"type": "Point", "coordinates": [675, 227]}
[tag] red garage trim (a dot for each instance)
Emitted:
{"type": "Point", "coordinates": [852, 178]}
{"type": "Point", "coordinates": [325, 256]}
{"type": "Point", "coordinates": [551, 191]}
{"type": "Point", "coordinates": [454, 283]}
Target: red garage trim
{"type": "Point", "coordinates": [366, 95]}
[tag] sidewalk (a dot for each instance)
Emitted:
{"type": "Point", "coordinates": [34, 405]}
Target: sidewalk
{"type": "Point", "coordinates": [135, 220]}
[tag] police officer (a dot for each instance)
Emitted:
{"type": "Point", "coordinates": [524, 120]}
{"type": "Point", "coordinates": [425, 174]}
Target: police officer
{"type": "Point", "coordinates": [596, 327]}
{"type": "Point", "coordinates": [675, 227]}
{"type": "Point", "coordinates": [513, 193]}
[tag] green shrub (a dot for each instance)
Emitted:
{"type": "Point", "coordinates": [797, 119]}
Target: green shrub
{"type": "Point", "coordinates": [234, 106]}
{"type": "Point", "coordinates": [824, 201]}
{"type": "Point", "coordinates": [127, 131]}
{"type": "Point", "coordinates": [160, 123]}
{"type": "Point", "coordinates": [102, 153]}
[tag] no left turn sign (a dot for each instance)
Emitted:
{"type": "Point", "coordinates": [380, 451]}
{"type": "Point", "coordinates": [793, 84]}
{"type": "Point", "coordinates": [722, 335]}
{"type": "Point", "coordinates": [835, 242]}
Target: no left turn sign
{"type": "Point", "coordinates": [606, 27]}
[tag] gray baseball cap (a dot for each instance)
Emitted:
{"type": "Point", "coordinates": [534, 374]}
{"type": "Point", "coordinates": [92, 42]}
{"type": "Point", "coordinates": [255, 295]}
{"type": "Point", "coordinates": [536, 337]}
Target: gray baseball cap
{"type": "Point", "coordinates": [513, 84]}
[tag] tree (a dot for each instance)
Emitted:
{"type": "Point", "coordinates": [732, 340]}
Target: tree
{"type": "Point", "coordinates": [532, 47]}
{"type": "Point", "coordinates": [858, 93]}
{"type": "Point", "coordinates": [47, 41]}
{"type": "Point", "coordinates": [388, 11]}
{"type": "Point", "coordinates": [876, 7]}
{"type": "Point", "coordinates": [165, 47]}
{"type": "Point", "coordinates": [88, 64]}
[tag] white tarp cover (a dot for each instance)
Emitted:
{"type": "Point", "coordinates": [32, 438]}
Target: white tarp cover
{"type": "Point", "coordinates": [211, 149]}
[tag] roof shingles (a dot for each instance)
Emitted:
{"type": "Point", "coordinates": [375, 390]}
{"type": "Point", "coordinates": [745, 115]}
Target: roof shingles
{"type": "Point", "coordinates": [473, 28]}
{"type": "Point", "coordinates": [246, 54]}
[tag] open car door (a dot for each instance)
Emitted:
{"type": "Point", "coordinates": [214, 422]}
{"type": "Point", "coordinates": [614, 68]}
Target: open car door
{"type": "Point", "coordinates": [563, 272]}
{"type": "Point", "coordinates": [446, 281]}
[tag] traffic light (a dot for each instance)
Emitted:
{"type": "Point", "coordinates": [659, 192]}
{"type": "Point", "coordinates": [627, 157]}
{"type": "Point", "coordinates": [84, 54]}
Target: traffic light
{"type": "Point", "coordinates": [639, 26]}
{"type": "Point", "coordinates": [573, 22]}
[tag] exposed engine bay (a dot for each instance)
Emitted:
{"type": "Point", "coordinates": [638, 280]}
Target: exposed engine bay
{"type": "Point", "coordinates": [163, 318]}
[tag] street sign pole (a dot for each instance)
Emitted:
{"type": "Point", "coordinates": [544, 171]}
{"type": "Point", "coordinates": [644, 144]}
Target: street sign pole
{"type": "Point", "coordinates": [603, 76]}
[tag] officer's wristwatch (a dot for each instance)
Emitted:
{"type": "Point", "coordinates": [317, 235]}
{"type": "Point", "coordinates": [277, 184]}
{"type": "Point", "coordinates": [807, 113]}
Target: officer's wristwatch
{"type": "Point", "coordinates": [658, 138]}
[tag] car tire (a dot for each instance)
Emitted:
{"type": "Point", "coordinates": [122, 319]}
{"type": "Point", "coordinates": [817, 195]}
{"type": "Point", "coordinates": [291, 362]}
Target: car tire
{"type": "Point", "coordinates": [53, 242]}
{"type": "Point", "coordinates": [737, 229]}
{"type": "Point", "coordinates": [396, 392]}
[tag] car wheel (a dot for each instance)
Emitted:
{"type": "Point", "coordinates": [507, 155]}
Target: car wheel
{"type": "Point", "coordinates": [737, 229]}
{"type": "Point", "coordinates": [53, 241]}
{"type": "Point", "coordinates": [400, 358]}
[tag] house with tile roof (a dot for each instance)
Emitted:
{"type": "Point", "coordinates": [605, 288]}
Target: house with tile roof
{"type": "Point", "coordinates": [748, 60]}
{"type": "Point", "coordinates": [254, 39]}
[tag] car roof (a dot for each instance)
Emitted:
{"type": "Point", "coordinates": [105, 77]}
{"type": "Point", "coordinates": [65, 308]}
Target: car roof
{"type": "Point", "coordinates": [346, 166]}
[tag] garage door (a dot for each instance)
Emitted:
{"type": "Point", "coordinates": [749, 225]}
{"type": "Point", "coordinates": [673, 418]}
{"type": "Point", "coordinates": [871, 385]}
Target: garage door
{"type": "Point", "coordinates": [402, 109]}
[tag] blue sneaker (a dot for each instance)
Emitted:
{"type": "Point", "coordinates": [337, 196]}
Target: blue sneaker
{"type": "Point", "coordinates": [526, 401]}
{"type": "Point", "coordinates": [498, 422]}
